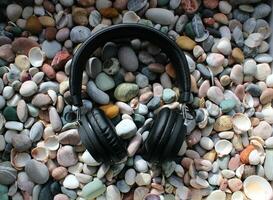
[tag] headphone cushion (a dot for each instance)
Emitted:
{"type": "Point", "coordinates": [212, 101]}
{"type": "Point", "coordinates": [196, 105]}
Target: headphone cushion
{"type": "Point", "coordinates": [156, 132]}
{"type": "Point", "coordinates": [105, 130]}
{"type": "Point", "coordinates": [165, 137]}
{"type": "Point", "coordinates": [176, 140]}
{"type": "Point", "coordinates": [88, 138]}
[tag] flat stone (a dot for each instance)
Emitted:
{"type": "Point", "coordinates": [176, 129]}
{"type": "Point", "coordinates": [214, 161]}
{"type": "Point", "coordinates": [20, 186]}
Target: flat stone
{"type": "Point", "coordinates": [215, 59]}
{"type": "Point", "coordinates": [143, 179]}
{"type": "Point", "coordinates": [128, 58]}
{"type": "Point", "coordinates": [51, 48]}
{"type": "Point", "coordinates": [66, 156]}
{"type": "Point", "coordinates": [160, 16]}
{"type": "Point", "coordinates": [126, 129]}
{"type": "Point", "coordinates": [71, 182]}
{"type": "Point", "coordinates": [6, 53]}
{"type": "Point", "coordinates": [37, 171]}
{"type": "Point", "coordinates": [22, 45]}
{"type": "Point", "coordinates": [93, 189]}
{"type": "Point", "coordinates": [263, 130]}
{"type": "Point", "coordinates": [71, 137]}
{"type": "Point", "coordinates": [96, 94]}
{"type": "Point", "coordinates": [21, 142]}
{"type": "Point", "coordinates": [79, 34]}
{"type": "Point", "coordinates": [113, 193]}
{"type": "Point", "coordinates": [126, 91]}
{"type": "Point", "coordinates": [215, 94]}
{"type": "Point", "coordinates": [55, 119]}
{"type": "Point", "coordinates": [28, 88]}
{"type": "Point", "coordinates": [104, 82]}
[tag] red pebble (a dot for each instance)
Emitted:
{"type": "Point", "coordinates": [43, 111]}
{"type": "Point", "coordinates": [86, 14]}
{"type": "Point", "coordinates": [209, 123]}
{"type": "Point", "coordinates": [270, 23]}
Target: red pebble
{"type": "Point", "coordinates": [49, 71]}
{"type": "Point", "coordinates": [60, 59]}
{"type": "Point", "coordinates": [190, 6]}
{"type": "Point", "coordinates": [211, 4]}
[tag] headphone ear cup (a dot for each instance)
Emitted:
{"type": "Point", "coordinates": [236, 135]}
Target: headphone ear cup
{"type": "Point", "coordinates": [106, 133]}
{"type": "Point", "coordinates": [88, 138]}
{"type": "Point", "coordinates": [155, 133]}
{"type": "Point", "coordinates": [178, 134]}
{"type": "Point", "coordinates": [165, 137]}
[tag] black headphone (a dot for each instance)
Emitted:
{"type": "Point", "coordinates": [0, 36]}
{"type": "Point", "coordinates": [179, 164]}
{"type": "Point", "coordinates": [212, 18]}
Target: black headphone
{"type": "Point", "coordinates": [97, 132]}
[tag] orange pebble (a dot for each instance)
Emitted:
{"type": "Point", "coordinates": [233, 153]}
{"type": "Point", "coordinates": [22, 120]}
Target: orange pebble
{"type": "Point", "coordinates": [110, 110]}
{"type": "Point", "coordinates": [170, 70]}
{"type": "Point", "coordinates": [245, 154]}
{"type": "Point", "coordinates": [109, 12]}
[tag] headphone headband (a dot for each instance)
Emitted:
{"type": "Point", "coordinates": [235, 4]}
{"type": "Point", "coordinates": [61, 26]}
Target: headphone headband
{"type": "Point", "coordinates": [122, 31]}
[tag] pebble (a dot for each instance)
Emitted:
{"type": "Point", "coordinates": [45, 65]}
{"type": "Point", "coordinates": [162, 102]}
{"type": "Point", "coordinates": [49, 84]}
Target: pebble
{"type": "Point", "coordinates": [96, 94]}
{"type": "Point", "coordinates": [54, 119]}
{"type": "Point", "coordinates": [79, 34]}
{"type": "Point", "coordinates": [261, 11]}
{"type": "Point", "coordinates": [37, 171]}
{"type": "Point", "coordinates": [14, 12]}
{"type": "Point", "coordinates": [104, 82]}
{"type": "Point", "coordinates": [143, 179]}
{"type": "Point", "coordinates": [140, 165]}
{"type": "Point", "coordinates": [160, 16]}
{"type": "Point", "coordinates": [263, 130]}
{"type": "Point", "coordinates": [113, 193]}
{"type": "Point", "coordinates": [168, 95]}
{"type": "Point", "coordinates": [36, 131]}
{"type": "Point", "coordinates": [93, 189]}
{"type": "Point", "coordinates": [224, 46]}
{"type": "Point", "coordinates": [21, 142]}
{"type": "Point", "coordinates": [215, 94]}
{"type": "Point", "coordinates": [215, 59]}
{"type": "Point", "coordinates": [126, 91]}
{"type": "Point", "coordinates": [268, 164]}
{"type": "Point", "coordinates": [126, 129]}
{"type": "Point", "coordinates": [71, 182]}
{"type": "Point", "coordinates": [51, 48]}
{"type": "Point", "coordinates": [128, 58]}
{"type": "Point", "coordinates": [254, 40]}
{"type": "Point", "coordinates": [66, 156]}
{"type": "Point", "coordinates": [263, 70]}
{"type": "Point", "coordinates": [185, 43]}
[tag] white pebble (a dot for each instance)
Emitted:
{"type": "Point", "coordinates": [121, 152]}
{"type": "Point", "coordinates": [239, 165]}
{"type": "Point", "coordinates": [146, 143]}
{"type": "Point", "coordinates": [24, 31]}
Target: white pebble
{"type": "Point", "coordinates": [140, 164]}
{"type": "Point", "coordinates": [206, 143]}
{"type": "Point", "coordinates": [71, 182]}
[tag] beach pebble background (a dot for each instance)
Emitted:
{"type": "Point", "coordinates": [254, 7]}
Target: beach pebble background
{"type": "Point", "coordinates": [228, 150]}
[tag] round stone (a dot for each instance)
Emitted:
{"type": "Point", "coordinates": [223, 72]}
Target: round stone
{"type": "Point", "coordinates": [126, 129]}
{"type": "Point", "coordinates": [160, 16]}
{"type": "Point", "coordinates": [127, 58]}
{"type": "Point", "coordinates": [37, 171]}
{"type": "Point", "coordinates": [66, 156]}
{"type": "Point", "coordinates": [79, 34]}
{"type": "Point", "coordinates": [28, 88]}
{"type": "Point", "coordinates": [126, 91]}
{"type": "Point", "coordinates": [104, 82]}
{"type": "Point", "coordinates": [51, 48]}
{"type": "Point", "coordinates": [71, 182]}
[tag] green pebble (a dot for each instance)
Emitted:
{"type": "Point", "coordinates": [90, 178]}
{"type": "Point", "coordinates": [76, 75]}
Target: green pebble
{"type": "Point", "coordinates": [164, 29]}
{"type": "Point", "coordinates": [139, 120]}
{"type": "Point", "coordinates": [3, 189]}
{"type": "Point", "coordinates": [126, 91]}
{"type": "Point", "coordinates": [189, 30]}
{"type": "Point", "coordinates": [130, 162]}
{"type": "Point", "coordinates": [3, 62]}
{"type": "Point", "coordinates": [168, 168]}
{"type": "Point", "coordinates": [16, 30]}
{"type": "Point", "coordinates": [168, 95]}
{"type": "Point", "coordinates": [3, 70]}
{"type": "Point", "coordinates": [10, 113]}
{"type": "Point", "coordinates": [146, 22]}
{"type": "Point", "coordinates": [93, 189]}
{"type": "Point", "coordinates": [162, 2]}
{"type": "Point", "coordinates": [34, 112]}
{"type": "Point", "coordinates": [227, 105]}
{"type": "Point", "coordinates": [55, 188]}
{"type": "Point", "coordinates": [4, 197]}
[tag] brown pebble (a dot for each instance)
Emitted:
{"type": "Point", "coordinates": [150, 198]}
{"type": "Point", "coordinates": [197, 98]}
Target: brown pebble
{"type": "Point", "coordinates": [211, 4]}
{"type": "Point", "coordinates": [240, 92]}
{"type": "Point", "coordinates": [194, 87]}
{"type": "Point", "coordinates": [49, 6]}
{"type": "Point", "coordinates": [223, 123]}
{"type": "Point", "coordinates": [221, 18]}
{"type": "Point", "coordinates": [266, 96]}
{"type": "Point", "coordinates": [47, 21]}
{"type": "Point", "coordinates": [86, 3]}
{"type": "Point", "coordinates": [254, 121]}
{"type": "Point", "coordinates": [22, 45]}
{"type": "Point", "coordinates": [61, 76]}
{"type": "Point", "coordinates": [120, 4]}
{"type": "Point", "coordinates": [238, 55]}
{"type": "Point", "coordinates": [245, 154]}
{"type": "Point", "coordinates": [129, 77]}
{"type": "Point", "coordinates": [60, 60]}
{"type": "Point", "coordinates": [6, 53]}
{"type": "Point", "coordinates": [235, 184]}
{"type": "Point", "coordinates": [59, 173]}
{"type": "Point", "coordinates": [109, 12]}
{"type": "Point", "coordinates": [79, 16]}
{"type": "Point", "coordinates": [50, 33]}
{"type": "Point", "coordinates": [44, 115]}
{"type": "Point", "coordinates": [33, 25]}
{"type": "Point", "coordinates": [49, 71]}
{"type": "Point", "coordinates": [156, 67]}
{"type": "Point", "coordinates": [170, 70]}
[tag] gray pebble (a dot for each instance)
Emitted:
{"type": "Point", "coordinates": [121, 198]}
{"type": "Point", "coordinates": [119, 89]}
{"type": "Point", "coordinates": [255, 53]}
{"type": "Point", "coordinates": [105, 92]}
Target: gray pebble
{"type": "Point", "coordinates": [94, 18]}
{"type": "Point", "coordinates": [51, 48]}
{"type": "Point", "coordinates": [36, 131]}
{"type": "Point", "coordinates": [37, 171]}
{"type": "Point", "coordinates": [104, 82]}
{"type": "Point", "coordinates": [127, 58]}
{"type": "Point", "coordinates": [21, 142]}
{"type": "Point", "coordinates": [79, 34]}
{"type": "Point", "coordinates": [96, 94]}
{"type": "Point", "coordinates": [154, 103]}
{"type": "Point", "coordinates": [142, 80]}
{"type": "Point", "coordinates": [249, 25]}
{"type": "Point", "coordinates": [261, 11]}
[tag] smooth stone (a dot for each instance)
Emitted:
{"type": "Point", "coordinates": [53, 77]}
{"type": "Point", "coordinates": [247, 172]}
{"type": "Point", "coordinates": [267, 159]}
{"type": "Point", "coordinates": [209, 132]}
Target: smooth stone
{"type": "Point", "coordinates": [268, 164]}
{"type": "Point", "coordinates": [130, 176]}
{"type": "Point", "coordinates": [126, 129]}
{"type": "Point", "coordinates": [261, 11]}
{"type": "Point", "coordinates": [126, 91]}
{"type": "Point", "coordinates": [71, 182]}
{"type": "Point", "coordinates": [130, 17]}
{"type": "Point", "coordinates": [36, 131]}
{"type": "Point", "coordinates": [93, 67]}
{"type": "Point", "coordinates": [124, 108]}
{"type": "Point", "coordinates": [71, 137]}
{"type": "Point", "coordinates": [215, 59]}
{"type": "Point", "coordinates": [113, 193]}
{"type": "Point", "coordinates": [13, 12]}
{"type": "Point", "coordinates": [10, 113]}
{"type": "Point", "coordinates": [165, 80]}
{"type": "Point", "coordinates": [185, 43]}
{"type": "Point", "coordinates": [224, 46]}
{"type": "Point", "coordinates": [66, 156]}
{"type": "Point", "coordinates": [22, 111]}
{"type": "Point", "coordinates": [14, 125]}
{"type": "Point", "coordinates": [249, 25]}
{"type": "Point", "coordinates": [40, 100]}
{"type": "Point", "coordinates": [263, 58]}
{"type": "Point", "coordinates": [215, 94]}
{"type": "Point", "coordinates": [223, 123]}
{"type": "Point", "coordinates": [127, 58]}
{"type": "Point", "coordinates": [216, 194]}
{"type": "Point", "coordinates": [7, 173]}
{"type": "Point", "coordinates": [263, 70]}
{"type": "Point", "coordinates": [123, 187]}
{"type": "Point", "coordinates": [154, 103]}
{"type": "Point", "coordinates": [93, 189]}
{"type": "Point", "coordinates": [240, 15]}
{"type": "Point", "coordinates": [6, 53]}
{"type": "Point", "coordinates": [37, 171]}
{"type": "Point", "coordinates": [79, 34]}
{"type": "Point", "coordinates": [227, 105]}
{"type": "Point", "coordinates": [51, 48]}
{"type": "Point", "coordinates": [136, 5]}
{"type": "Point", "coordinates": [104, 82]}
{"type": "Point", "coordinates": [96, 94]}
{"type": "Point", "coordinates": [250, 67]}
{"type": "Point", "coordinates": [225, 7]}
{"type": "Point", "coordinates": [269, 143]}
{"type": "Point", "coordinates": [62, 35]}
{"type": "Point", "coordinates": [89, 160]}
{"type": "Point", "coordinates": [253, 89]}
{"type": "Point", "coordinates": [45, 192]}
{"type": "Point", "coordinates": [236, 74]}
{"type": "Point", "coordinates": [168, 95]}
{"type": "Point", "coordinates": [2, 143]}
{"type": "Point", "coordinates": [143, 179]}
{"type": "Point", "coordinates": [140, 165]}
{"type": "Point", "coordinates": [94, 18]}
{"type": "Point", "coordinates": [263, 130]}
{"type": "Point", "coordinates": [70, 193]}
{"type": "Point", "coordinates": [206, 143]}
{"type": "Point", "coordinates": [141, 80]}
{"type": "Point", "coordinates": [254, 40]}
{"type": "Point", "coordinates": [160, 16]}
{"type": "Point", "coordinates": [21, 142]}
{"type": "Point", "coordinates": [55, 119]}
{"type": "Point", "coordinates": [61, 197]}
